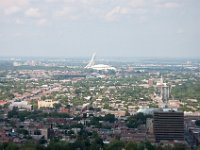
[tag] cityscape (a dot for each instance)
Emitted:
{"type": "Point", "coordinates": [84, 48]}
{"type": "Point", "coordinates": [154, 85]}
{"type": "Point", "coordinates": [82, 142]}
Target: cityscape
{"type": "Point", "coordinates": [99, 75]}
{"type": "Point", "coordinates": [140, 103]}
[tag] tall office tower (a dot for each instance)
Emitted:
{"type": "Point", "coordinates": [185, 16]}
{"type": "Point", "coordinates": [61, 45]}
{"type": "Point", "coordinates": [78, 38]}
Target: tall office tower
{"type": "Point", "coordinates": [168, 126]}
{"type": "Point", "coordinates": [165, 93]}
{"type": "Point", "coordinates": [163, 90]}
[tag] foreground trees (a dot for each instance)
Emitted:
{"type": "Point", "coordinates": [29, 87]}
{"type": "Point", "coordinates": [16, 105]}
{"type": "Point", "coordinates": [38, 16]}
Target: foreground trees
{"type": "Point", "coordinates": [96, 144]}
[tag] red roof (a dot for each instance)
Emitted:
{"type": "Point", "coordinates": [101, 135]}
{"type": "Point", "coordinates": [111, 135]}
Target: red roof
{"type": "Point", "coordinates": [2, 102]}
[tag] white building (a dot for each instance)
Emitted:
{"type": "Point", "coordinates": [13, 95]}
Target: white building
{"type": "Point", "coordinates": [20, 105]}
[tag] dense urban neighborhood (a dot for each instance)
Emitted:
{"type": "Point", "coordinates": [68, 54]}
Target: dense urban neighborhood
{"type": "Point", "coordinates": [131, 104]}
{"type": "Point", "coordinates": [99, 74]}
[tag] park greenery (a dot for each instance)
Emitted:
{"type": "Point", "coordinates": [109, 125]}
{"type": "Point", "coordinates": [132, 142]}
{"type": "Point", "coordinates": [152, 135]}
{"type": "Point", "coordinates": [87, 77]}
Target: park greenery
{"type": "Point", "coordinates": [187, 90]}
{"type": "Point", "coordinates": [96, 121]}
{"type": "Point", "coordinates": [137, 120]}
{"type": "Point", "coordinates": [35, 115]}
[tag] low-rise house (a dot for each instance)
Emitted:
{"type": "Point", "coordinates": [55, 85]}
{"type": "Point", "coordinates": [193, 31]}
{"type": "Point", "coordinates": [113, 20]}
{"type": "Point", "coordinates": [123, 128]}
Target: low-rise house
{"type": "Point", "coordinates": [3, 102]}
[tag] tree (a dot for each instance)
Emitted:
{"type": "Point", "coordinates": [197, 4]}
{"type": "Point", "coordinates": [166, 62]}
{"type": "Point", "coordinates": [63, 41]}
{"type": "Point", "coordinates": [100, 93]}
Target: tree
{"type": "Point", "coordinates": [149, 146]}
{"type": "Point", "coordinates": [12, 146]}
{"type": "Point", "coordinates": [56, 145]}
{"type": "Point", "coordinates": [40, 147]}
{"type": "Point", "coordinates": [28, 146]}
{"type": "Point", "coordinates": [95, 121]}
{"type": "Point", "coordinates": [23, 131]}
{"type": "Point", "coordinates": [197, 122]}
{"type": "Point", "coordinates": [42, 140]}
{"type": "Point", "coordinates": [137, 119]}
{"type": "Point", "coordinates": [180, 147]}
{"type": "Point", "coordinates": [13, 112]}
{"type": "Point", "coordinates": [106, 106]}
{"type": "Point", "coordinates": [78, 92]}
{"type": "Point", "coordinates": [131, 146]}
{"type": "Point", "coordinates": [43, 97]}
{"type": "Point", "coordinates": [115, 145]}
{"type": "Point", "coordinates": [198, 148]}
{"type": "Point", "coordinates": [109, 117]}
{"type": "Point", "coordinates": [57, 105]}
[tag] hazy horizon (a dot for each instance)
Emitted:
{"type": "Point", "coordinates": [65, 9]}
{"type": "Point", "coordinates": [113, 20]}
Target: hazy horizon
{"type": "Point", "coordinates": [111, 28]}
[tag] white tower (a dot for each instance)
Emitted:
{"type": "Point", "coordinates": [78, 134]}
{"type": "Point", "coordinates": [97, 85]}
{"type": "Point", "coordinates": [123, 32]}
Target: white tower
{"type": "Point", "coordinates": [91, 63]}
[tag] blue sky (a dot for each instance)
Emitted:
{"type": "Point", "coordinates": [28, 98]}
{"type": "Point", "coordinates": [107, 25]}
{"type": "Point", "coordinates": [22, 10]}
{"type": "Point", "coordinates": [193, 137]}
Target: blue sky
{"type": "Point", "coordinates": [129, 28]}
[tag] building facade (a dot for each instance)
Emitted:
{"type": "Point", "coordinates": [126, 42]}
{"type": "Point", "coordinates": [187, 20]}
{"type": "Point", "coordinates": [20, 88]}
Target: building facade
{"type": "Point", "coordinates": [168, 126]}
{"type": "Point", "coordinates": [46, 103]}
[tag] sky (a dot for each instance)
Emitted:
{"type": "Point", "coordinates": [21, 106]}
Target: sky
{"type": "Point", "coordinates": [111, 28]}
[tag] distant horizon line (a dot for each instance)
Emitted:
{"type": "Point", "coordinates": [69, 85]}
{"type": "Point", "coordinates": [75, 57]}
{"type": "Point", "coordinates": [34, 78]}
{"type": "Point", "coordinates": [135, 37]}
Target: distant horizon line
{"type": "Point", "coordinates": [101, 57]}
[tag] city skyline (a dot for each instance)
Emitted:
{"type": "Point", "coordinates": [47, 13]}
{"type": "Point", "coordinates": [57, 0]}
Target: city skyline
{"type": "Point", "coordinates": [126, 28]}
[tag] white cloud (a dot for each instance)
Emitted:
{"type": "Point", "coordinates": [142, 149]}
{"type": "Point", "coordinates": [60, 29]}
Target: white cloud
{"type": "Point", "coordinates": [180, 31]}
{"type": "Point", "coordinates": [1, 35]}
{"type": "Point", "coordinates": [109, 10]}
{"type": "Point", "coordinates": [51, 1]}
{"type": "Point", "coordinates": [14, 3]}
{"type": "Point", "coordinates": [168, 5]}
{"type": "Point", "coordinates": [67, 13]}
{"type": "Point", "coordinates": [18, 21]}
{"type": "Point", "coordinates": [33, 12]}
{"type": "Point", "coordinates": [136, 3]}
{"type": "Point", "coordinates": [10, 7]}
{"type": "Point", "coordinates": [116, 12]}
{"type": "Point", "coordinates": [64, 12]}
{"type": "Point", "coordinates": [17, 34]}
{"type": "Point", "coordinates": [42, 22]}
{"type": "Point", "coordinates": [22, 3]}
{"type": "Point", "coordinates": [12, 10]}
